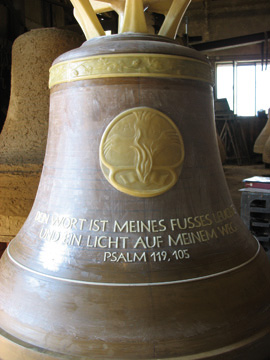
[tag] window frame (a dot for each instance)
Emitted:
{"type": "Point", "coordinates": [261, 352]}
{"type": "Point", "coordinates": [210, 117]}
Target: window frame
{"type": "Point", "coordinates": [235, 64]}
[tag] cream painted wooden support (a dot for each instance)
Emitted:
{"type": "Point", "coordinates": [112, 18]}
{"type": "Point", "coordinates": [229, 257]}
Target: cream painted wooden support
{"type": "Point", "coordinates": [101, 6]}
{"type": "Point", "coordinates": [109, 5]}
{"type": "Point", "coordinates": [87, 19]}
{"type": "Point", "coordinates": [173, 18]}
{"type": "Point", "coordinates": [134, 18]}
{"type": "Point", "coordinates": [131, 15]}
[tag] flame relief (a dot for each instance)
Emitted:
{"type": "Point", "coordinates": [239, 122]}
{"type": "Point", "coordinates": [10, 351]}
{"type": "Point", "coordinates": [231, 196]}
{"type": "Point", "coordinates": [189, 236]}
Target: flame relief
{"type": "Point", "coordinates": [142, 152]}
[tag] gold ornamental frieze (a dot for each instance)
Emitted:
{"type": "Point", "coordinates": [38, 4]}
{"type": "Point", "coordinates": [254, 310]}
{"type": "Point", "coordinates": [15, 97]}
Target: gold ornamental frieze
{"type": "Point", "coordinates": [130, 65]}
{"type": "Point", "coordinates": [142, 152]}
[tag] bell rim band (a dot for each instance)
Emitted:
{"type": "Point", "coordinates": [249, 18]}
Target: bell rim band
{"type": "Point", "coordinates": [161, 283]}
{"type": "Point", "coordinates": [147, 65]}
{"type": "Point", "coordinates": [35, 350]}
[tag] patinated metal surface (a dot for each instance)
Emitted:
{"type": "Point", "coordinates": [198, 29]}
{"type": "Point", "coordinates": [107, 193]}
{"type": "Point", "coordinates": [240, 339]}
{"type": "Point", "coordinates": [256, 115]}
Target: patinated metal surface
{"type": "Point", "coordinates": [96, 273]}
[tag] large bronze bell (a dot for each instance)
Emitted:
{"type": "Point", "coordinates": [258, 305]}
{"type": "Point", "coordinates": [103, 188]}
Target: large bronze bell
{"type": "Point", "coordinates": [133, 248]}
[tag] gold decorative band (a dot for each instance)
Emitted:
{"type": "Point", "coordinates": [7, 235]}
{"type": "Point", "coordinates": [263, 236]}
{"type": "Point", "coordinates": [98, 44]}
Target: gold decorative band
{"type": "Point", "coordinates": [130, 65]}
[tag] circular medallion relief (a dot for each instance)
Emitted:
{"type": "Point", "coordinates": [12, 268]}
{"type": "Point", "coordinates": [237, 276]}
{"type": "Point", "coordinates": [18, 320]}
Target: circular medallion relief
{"type": "Point", "coordinates": [141, 152]}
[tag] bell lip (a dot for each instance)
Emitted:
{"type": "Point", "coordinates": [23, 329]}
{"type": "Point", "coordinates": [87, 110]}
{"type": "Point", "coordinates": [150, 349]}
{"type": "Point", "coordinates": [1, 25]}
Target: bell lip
{"type": "Point", "coordinates": [15, 344]}
{"type": "Point", "coordinates": [117, 44]}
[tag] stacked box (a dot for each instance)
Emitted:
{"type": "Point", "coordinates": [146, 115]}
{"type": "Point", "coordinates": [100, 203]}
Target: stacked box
{"type": "Point", "coordinates": [255, 213]}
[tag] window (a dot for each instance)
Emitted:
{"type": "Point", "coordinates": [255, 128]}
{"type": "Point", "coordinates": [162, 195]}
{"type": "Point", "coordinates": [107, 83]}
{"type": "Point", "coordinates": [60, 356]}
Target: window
{"type": "Point", "coordinates": [224, 83]}
{"type": "Point", "coordinates": [244, 84]}
{"type": "Point", "coordinates": [245, 90]}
